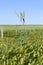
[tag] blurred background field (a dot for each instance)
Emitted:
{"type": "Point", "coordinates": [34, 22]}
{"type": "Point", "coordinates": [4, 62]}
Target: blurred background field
{"type": "Point", "coordinates": [21, 45]}
{"type": "Point", "coordinates": [21, 26]}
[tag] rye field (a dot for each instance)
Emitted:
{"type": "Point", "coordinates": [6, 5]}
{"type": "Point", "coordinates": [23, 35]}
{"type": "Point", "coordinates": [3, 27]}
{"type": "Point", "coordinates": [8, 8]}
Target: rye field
{"type": "Point", "coordinates": [21, 45]}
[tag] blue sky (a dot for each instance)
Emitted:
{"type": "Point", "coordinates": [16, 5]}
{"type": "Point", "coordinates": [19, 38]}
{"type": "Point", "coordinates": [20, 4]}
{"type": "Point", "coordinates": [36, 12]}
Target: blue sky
{"type": "Point", "coordinates": [33, 11]}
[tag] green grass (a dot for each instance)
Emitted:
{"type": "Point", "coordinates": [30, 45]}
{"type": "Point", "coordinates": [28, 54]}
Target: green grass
{"type": "Point", "coordinates": [21, 26]}
{"type": "Point", "coordinates": [21, 45]}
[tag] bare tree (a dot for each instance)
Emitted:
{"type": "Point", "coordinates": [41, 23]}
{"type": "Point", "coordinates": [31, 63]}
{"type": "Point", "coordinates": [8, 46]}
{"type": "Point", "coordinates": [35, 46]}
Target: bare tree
{"type": "Point", "coordinates": [21, 16]}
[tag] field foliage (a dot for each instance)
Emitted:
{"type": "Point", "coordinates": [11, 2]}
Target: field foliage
{"type": "Point", "coordinates": [22, 47]}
